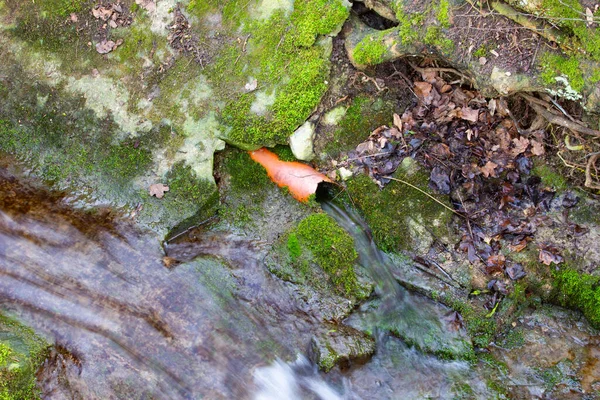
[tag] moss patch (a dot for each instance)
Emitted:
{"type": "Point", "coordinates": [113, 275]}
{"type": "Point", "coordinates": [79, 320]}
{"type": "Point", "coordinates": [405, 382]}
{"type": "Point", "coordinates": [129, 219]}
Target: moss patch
{"type": "Point", "coordinates": [550, 177]}
{"type": "Point", "coordinates": [332, 248]}
{"type": "Point", "coordinates": [289, 43]}
{"type": "Point", "coordinates": [362, 117]}
{"type": "Point", "coordinates": [554, 65]}
{"type": "Point", "coordinates": [398, 212]}
{"type": "Point", "coordinates": [370, 51]}
{"type": "Point", "coordinates": [21, 353]}
{"type": "Point", "coordinates": [578, 291]}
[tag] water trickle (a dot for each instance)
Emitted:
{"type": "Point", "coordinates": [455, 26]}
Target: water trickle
{"type": "Point", "coordinates": [217, 326]}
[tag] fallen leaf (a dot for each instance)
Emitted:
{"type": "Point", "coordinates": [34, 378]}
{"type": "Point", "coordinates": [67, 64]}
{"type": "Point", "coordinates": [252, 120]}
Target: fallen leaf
{"type": "Point", "coordinates": [149, 5]}
{"type": "Point", "coordinates": [102, 13]}
{"type": "Point", "coordinates": [423, 91]}
{"type": "Point", "coordinates": [520, 144]}
{"type": "Point", "coordinates": [589, 16]}
{"type": "Point", "coordinates": [489, 169]}
{"type": "Point", "coordinates": [251, 86]}
{"type": "Point", "coordinates": [398, 122]}
{"type": "Point", "coordinates": [469, 114]}
{"type": "Point", "coordinates": [537, 148]}
{"type": "Point", "coordinates": [158, 190]}
{"type": "Point", "coordinates": [495, 263]}
{"type": "Point", "coordinates": [440, 180]}
{"type": "Point", "coordinates": [105, 46]}
{"type": "Point", "coordinates": [515, 271]}
{"type": "Point", "coordinates": [548, 258]}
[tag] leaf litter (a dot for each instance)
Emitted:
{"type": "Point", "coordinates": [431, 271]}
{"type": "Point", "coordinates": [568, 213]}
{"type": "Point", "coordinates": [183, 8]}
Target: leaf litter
{"type": "Point", "coordinates": [478, 155]}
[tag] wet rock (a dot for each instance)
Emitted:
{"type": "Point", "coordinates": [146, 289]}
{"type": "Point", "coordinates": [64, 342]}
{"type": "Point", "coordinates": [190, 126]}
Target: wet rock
{"type": "Point", "coordinates": [550, 353]}
{"type": "Point", "coordinates": [301, 141]}
{"type": "Point", "coordinates": [341, 345]}
{"type": "Point", "coordinates": [21, 353]}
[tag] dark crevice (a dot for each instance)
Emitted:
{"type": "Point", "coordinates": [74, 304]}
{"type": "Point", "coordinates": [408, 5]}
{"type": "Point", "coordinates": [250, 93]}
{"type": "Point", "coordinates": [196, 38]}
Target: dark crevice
{"type": "Point", "coordinates": [371, 18]}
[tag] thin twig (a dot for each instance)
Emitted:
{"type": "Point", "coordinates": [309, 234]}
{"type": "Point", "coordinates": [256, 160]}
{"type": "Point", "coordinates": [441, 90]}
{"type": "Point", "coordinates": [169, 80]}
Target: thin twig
{"type": "Point", "coordinates": [426, 194]}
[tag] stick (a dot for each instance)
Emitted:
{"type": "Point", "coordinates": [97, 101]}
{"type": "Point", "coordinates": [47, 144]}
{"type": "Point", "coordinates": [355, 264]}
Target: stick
{"type": "Point", "coordinates": [426, 194]}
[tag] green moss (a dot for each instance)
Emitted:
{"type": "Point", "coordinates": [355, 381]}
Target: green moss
{"type": "Point", "coordinates": [394, 212]}
{"type": "Point", "coordinates": [569, 15]}
{"type": "Point", "coordinates": [550, 177]}
{"type": "Point", "coordinates": [246, 175]}
{"type": "Point", "coordinates": [289, 43]}
{"type": "Point", "coordinates": [409, 25]}
{"type": "Point", "coordinates": [554, 65]}
{"type": "Point", "coordinates": [21, 353]}
{"type": "Point", "coordinates": [293, 246]}
{"type": "Point", "coordinates": [513, 339]}
{"type": "Point", "coordinates": [480, 52]}
{"type": "Point", "coordinates": [284, 153]}
{"type": "Point", "coordinates": [328, 360]}
{"type": "Point", "coordinates": [362, 116]}
{"type": "Point", "coordinates": [247, 187]}
{"type": "Point", "coordinates": [62, 8]}
{"type": "Point", "coordinates": [435, 37]}
{"type": "Point", "coordinates": [443, 13]}
{"type": "Point", "coordinates": [481, 329]}
{"type": "Point", "coordinates": [578, 291]}
{"type": "Point", "coordinates": [370, 51]}
{"type": "Point", "coordinates": [332, 248]}
{"type": "Point", "coordinates": [316, 17]}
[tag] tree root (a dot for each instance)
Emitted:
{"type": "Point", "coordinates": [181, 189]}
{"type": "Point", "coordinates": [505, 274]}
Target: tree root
{"type": "Point", "coordinates": [589, 183]}
{"type": "Point", "coordinates": [544, 109]}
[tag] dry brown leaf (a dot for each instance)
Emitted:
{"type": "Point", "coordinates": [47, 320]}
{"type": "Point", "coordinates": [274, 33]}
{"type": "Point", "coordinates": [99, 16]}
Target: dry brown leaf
{"type": "Point", "coordinates": [102, 13]}
{"type": "Point", "coordinates": [521, 145]}
{"type": "Point", "coordinates": [158, 190]}
{"type": "Point", "coordinates": [548, 258]}
{"type": "Point", "coordinates": [149, 5]}
{"type": "Point", "coordinates": [105, 46]}
{"type": "Point", "coordinates": [398, 122]}
{"type": "Point", "coordinates": [469, 114]}
{"type": "Point", "coordinates": [489, 169]}
{"type": "Point", "coordinates": [537, 148]}
{"type": "Point", "coordinates": [589, 16]}
{"type": "Point", "coordinates": [423, 90]}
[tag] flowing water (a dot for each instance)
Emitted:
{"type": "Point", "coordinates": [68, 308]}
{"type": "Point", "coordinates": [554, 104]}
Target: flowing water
{"type": "Point", "coordinates": [217, 325]}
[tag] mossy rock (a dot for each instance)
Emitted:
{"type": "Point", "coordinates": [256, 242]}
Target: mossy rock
{"type": "Point", "coordinates": [401, 217]}
{"type": "Point", "coordinates": [21, 354]}
{"type": "Point", "coordinates": [112, 125]}
{"type": "Point", "coordinates": [341, 345]}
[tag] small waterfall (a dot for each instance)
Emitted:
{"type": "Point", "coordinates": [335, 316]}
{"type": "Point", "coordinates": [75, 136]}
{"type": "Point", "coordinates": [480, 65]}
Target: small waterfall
{"type": "Point", "coordinates": [414, 318]}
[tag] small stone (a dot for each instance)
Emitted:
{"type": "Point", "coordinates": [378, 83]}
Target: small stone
{"type": "Point", "coordinates": [482, 60]}
{"type": "Point", "coordinates": [344, 173]}
{"type": "Point", "coordinates": [507, 73]}
{"type": "Point", "coordinates": [301, 142]}
{"type": "Point", "coordinates": [251, 85]}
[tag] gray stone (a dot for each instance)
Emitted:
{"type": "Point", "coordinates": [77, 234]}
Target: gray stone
{"type": "Point", "coordinates": [301, 142]}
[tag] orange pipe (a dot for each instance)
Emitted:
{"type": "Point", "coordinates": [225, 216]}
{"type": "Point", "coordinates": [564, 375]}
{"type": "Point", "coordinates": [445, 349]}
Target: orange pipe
{"type": "Point", "coordinates": [301, 179]}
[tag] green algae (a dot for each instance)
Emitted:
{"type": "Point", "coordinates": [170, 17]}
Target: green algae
{"type": "Point", "coordinates": [21, 353]}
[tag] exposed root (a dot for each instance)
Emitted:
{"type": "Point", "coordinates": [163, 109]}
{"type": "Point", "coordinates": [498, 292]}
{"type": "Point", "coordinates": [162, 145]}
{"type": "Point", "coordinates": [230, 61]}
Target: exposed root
{"type": "Point", "coordinates": [544, 109]}
{"type": "Point", "coordinates": [589, 182]}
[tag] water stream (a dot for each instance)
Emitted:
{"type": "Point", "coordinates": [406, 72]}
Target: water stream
{"type": "Point", "coordinates": [218, 325]}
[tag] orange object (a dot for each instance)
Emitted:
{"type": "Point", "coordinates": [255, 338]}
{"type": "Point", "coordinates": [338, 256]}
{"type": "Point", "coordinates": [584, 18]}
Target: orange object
{"type": "Point", "coordinates": [301, 179]}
